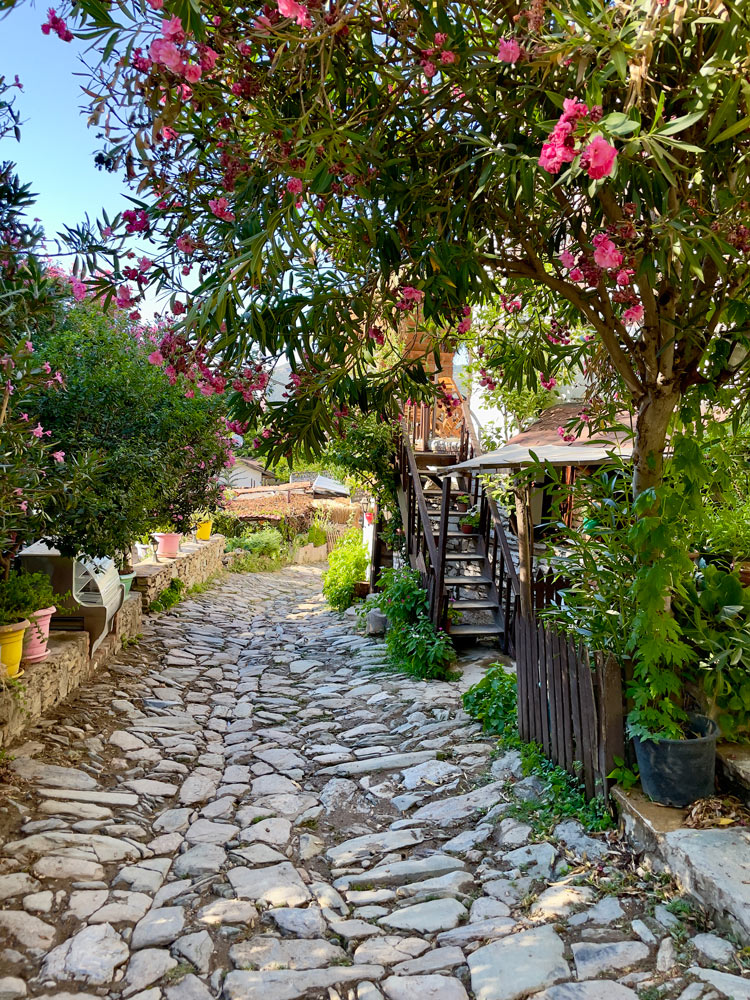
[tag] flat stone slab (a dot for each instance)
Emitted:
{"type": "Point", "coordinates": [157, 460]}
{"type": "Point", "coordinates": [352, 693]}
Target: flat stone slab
{"type": "Point", "coordinates": [592, 959]}
{"type": "Point", "coordinates": [519, 964]}
{"type": "Point", "coordinates": [83, 795]}
{"type": "Point", "coordinates": [91, 956]}
{"type": "Point", "coordinates": [266, 952]}
{"type": "Point", "coordinates": [26, 930]}
{"type": "Point", "coordinates": [159, 927]}
{"type": "Point", "coordinates": [104, 848]}
{"type": "Point", "coordinates": [277, 885]}
{"type": "Point", "coordinates": [426, 918]}
{"type": "Point", "coordinates": [437, 960]}
{"type": "Point", "coordinates": [373, 843]}
{"type": "Point", "coordinates": [424, 988]}
{"type": "Point", "coordinates": [458, 807]}
{"type": "Point", "coordinates": [736, 987]}
{"type": "Point", "coordinates": [288, 984]}
{"type": "Point", "coordinates": [402, 871]}
{"type": "Point", "coordinates": [597, 989]}
{"type": "Point", "coordinates": [53, 775]}
{"type": "Point", "coordinates": [387, 762]}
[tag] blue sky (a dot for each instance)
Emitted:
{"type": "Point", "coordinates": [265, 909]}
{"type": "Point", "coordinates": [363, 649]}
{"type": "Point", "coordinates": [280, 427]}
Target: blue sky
{"type": "Point", "coordinates": [55, 154]}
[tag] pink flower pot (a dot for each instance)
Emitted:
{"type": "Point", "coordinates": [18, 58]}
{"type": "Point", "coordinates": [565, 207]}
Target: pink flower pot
{"type": "Point", "coordinates": [169, 543]}
{"type": "Point", "coordinates": [37, 636]}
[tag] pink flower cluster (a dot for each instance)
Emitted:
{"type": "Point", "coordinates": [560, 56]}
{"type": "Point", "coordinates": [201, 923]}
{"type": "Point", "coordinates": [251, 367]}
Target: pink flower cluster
{"type": "Point", "coordinates": [136, 220]}
{"type": "Point", "coordinates": [410, 298]}
{"type": "Point", "coordinates": [376, 334]}
{"type": "Point", "coordinates": [300, 13]}
{"type": "Point", "coordinates": [220, 208]}
{"type": "Point", "coordinates": [171, 52]}
{"type": "Point", "coordinates": [607, 262]}
{"type": "Point", "coordinates": [547, 382]}
{"type": "Point", "coordinates": [597, 158]}
{"type": "Point", "coordinates": [56, 25]}
{"type": "Point", "coordinates": [508, 50]}
{"type": "Point", "coordinates": [465, 325]}
{"type": "Point", "coordinates": [567, 438]}
{"type": "Point", "coordinates": [428, 56]}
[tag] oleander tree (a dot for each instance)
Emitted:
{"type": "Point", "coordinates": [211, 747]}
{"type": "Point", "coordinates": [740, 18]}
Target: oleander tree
{"type": "Point", "coordinates": [312, 176]}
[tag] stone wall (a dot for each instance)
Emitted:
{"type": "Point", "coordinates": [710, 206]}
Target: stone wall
{"type": "Point", "coordinates": [196, 562]}
{"type": "Point", "coordinates": [44, 685]}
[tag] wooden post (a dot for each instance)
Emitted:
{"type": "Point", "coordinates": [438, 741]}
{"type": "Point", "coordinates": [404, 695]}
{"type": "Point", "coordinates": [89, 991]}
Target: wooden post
{"type": "Point", "coordinates": [445, 509]}
{"type": "Point", "coordinates": [525, 544]}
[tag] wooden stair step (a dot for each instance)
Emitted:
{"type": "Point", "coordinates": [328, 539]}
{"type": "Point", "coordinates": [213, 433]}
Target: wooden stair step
{"type": "Point", "coordinates": [474, 604]}
{"type": "Point", "coordinates": [436, 458]}
{"type": "Point", "coordinates": [475, 631]}
{"type": "Point", "coordinates": [459, 556]}
{"type": "Point", "coordinates": [467, 581]}
{"type": "Point", "coordinates": [463, 534]}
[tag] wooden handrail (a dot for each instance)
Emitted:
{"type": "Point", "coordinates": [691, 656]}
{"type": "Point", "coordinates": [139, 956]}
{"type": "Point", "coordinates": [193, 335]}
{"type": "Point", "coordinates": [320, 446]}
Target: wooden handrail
{"type": "Point", "coordinates": [424, 515]}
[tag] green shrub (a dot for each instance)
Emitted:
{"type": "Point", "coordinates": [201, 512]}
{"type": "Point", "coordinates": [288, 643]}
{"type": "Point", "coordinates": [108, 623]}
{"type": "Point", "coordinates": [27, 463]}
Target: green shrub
{"type": "Point", "coordinates": [229, 525]}
{"type": "Point", "coordinates": [251, 562]}
{"type": "Point", "coordinates": [347, 566]}
{"type": "Point", "coordinates": [414, 644]}
{"type": "Point", "coordinates": [170, 596]}
{"type": "Point", "coordinates": [22, 594]}
{"type": "Point", "coordinates": [266, 542]}
{"type": "Point", "coordinates": [493, 701]}
{"type": "Point", "coordinates": [420, 649]}
{"type": "Point", "coordinates": [316, 534]}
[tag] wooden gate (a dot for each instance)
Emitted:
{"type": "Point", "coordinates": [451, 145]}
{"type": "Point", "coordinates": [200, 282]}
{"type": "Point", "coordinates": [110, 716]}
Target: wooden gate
{"type": "Point", "coordinates": [572, 707]}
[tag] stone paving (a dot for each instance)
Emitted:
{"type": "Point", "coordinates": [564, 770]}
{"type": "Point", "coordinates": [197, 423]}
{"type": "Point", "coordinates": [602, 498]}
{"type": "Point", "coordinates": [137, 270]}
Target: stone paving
{"type": "Point", "coordinates": [246, 807]}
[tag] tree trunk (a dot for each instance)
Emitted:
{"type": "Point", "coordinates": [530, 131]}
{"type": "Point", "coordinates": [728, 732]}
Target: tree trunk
{"type": "Point", "coordinates": [525, 529]}
{"type": "Point", "coordinates": [655, 409]}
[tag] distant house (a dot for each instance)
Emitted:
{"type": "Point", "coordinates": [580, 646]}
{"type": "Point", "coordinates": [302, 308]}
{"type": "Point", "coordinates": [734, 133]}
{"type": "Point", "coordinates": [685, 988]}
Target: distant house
{"type": "Point", "coordinates": [246, 473]}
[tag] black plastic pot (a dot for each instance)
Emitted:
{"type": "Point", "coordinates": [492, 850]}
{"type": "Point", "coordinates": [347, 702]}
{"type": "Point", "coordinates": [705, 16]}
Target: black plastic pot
{"type": "Point", "coordinates": [677, 772]}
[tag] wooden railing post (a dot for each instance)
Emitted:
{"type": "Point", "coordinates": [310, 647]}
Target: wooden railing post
{"type": "Point", "coordinates": [445, 507]}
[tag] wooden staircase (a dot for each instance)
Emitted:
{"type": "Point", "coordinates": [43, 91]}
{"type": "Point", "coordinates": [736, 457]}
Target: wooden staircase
{"type": "Point", "coordinates": [473, 574]}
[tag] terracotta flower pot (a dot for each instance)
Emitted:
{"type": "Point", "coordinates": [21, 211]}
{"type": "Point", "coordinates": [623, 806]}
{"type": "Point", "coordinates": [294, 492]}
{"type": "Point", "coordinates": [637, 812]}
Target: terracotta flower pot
{"type": "Point", "coordinates": [169, 543]}
{"type": "Point", "coordinates": [468, 529]}
{"type": "Point", "coordinates": [11, 646]}
{"type": "Point", "coordinates": [37, 636]}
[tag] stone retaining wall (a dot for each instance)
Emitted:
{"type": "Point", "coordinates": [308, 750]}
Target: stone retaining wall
{"type": "Point", "coordinates": [44, 685]}
{"type": "Point", "coordinates": [196, 562]}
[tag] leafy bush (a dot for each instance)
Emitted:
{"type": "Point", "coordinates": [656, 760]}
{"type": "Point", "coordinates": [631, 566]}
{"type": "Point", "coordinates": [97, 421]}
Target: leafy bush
{"type": "Point", "coordinates": [22, 594]}
{"type": "Point", "coordinates": [420, 649]}
{"type": "Point", "coordinates": [170, 596]}
{"type": "Point", "coordinates": [159, 453]}
{"type": "Point", "coordinates": [414, 644]}
{"type": "Point", "coordinates": [266, 542]}
{"type": "Point", "coordinates": [316, 535]}
{"type": "Point", "coordinates": [229, 525]}
{"type": "Point", "coordinates": [347, 565]}
{"type": "Point", "coordinates": [493, 701]}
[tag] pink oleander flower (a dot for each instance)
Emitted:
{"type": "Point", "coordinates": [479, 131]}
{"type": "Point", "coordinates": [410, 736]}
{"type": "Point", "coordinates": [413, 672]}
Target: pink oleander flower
{"type": "Point", "coordinates": [576, 274]}
{"type": "Point", "coordinates": [508, 50]}
{"type": "Point", "coordinates": [566, 437]}
{"type": "Point", "coordinates": [29, 347]}
{"type": "Point", "coordinates": [290, 8]}
{"type": "Point", "coordinates": [440, 38]}
{"type": "Point", "coordinates": [37, 431]}
{"type": "Point", "coordinates": [220, 208]}
{"type": "Point", "coordinates": [59, 456]}
{"type": "Point", "coordinates": [464, 326]}
{"type": "Point", "coordinates": [185, 245]}
{"type": "Point", "coordinates": [623, 277]}
{"type": "Point", "coordinates": [633, 315]}
{"type": "Point", "coordinates": [173, 30]}
{"type": "Point", "coordinates": [294, 185]}
{"type": "Point", "coordinates": [78, 288]}
{"type": "Point", "coordinates": [193, 72]}
{"type": "Point", "coordinates": [547, 383]}
{"type": "Point", "coordinates": [598, 158]}
{"type": "Point", "coordinates": [166, 53]}
{"type": "Point", "coordinates": [411, 294]}
{"type": "Point", "coordinates": [155, 4]}
{"type": "Point", "coordinates": [429, 69]}
{"type": "Point", "coordinates": [124, 297]}
{"type": "Point", "coordinates": [606, 254]}
{"type": "Point", "coordinates": [567, 259]}
{"type": "Point", "coordinates": [24, 505]}
{"type": "Point", "coordinates": [58, 26]}
{"type": "Point", "coordinates": [156, 358]}
{"type": "Point", "coordinates": [448, 58]}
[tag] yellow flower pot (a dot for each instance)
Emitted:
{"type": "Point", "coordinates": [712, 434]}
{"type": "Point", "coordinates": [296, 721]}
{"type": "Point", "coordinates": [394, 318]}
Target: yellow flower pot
{"type": "Point", "coordinates": [203, 531]}
{"type": "Point", "coordinates": [11, 646]}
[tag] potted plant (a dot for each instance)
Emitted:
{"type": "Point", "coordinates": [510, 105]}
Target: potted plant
{"type": "Point", "coordinates": [462, 502]}
{"type": "Point", "coordinates": [203, 525]}
{"type": "Point", "coordinates": [167, 542]}
{"type": "Point", "coordinates": [26, 607]}
{"type": "Point", "coordinates": [469, 523]}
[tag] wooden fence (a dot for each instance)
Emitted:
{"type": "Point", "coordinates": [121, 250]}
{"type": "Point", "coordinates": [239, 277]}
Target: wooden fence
{"type": "Point", "coordinates": [572, 707]}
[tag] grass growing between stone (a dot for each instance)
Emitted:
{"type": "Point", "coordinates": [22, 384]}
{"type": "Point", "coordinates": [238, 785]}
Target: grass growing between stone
{"type": "Point", "coordinates": [493, 701]}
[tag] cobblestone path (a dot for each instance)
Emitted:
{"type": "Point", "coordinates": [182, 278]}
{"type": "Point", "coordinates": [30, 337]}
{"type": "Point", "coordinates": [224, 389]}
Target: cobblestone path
{"type": "Point", "coordinates": [243, 807]}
